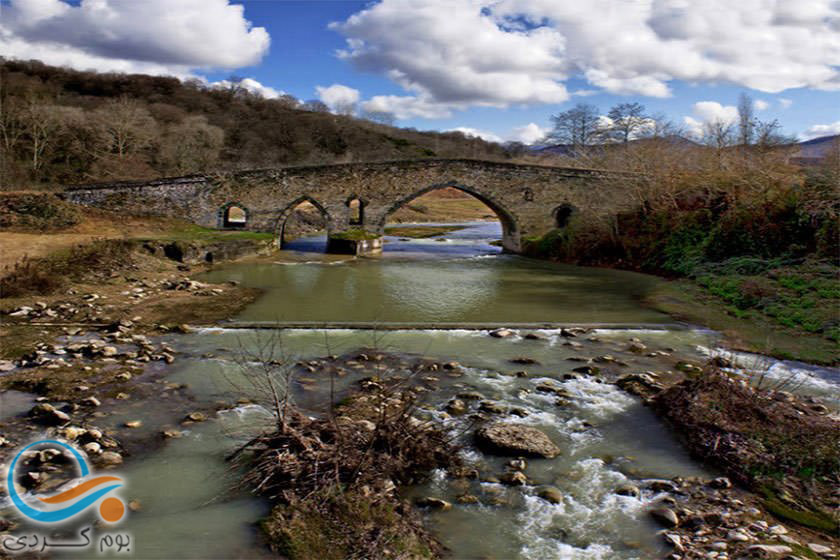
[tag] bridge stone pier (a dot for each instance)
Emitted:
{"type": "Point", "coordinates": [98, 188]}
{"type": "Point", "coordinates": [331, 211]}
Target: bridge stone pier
{"type": "Point", "coordinates": [356, 199]}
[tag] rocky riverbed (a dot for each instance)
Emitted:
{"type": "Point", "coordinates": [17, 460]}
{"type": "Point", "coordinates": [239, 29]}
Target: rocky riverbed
{"type": "Point", "coordinates": [93, 365]}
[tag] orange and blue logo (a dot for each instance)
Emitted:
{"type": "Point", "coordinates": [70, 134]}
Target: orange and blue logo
{"type": "Point", "coordinates": [66, 504]}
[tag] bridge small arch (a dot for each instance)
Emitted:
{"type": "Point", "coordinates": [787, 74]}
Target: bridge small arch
{"type": "Point", "coordinates": [356, 211]}
{"type": "Point", "coordinates": [286, 213]}
{"type": "Point", "coordinates": [562, 214]}
{"type": "Point", "coordinates": [233, 215]}
{"type": "Point", "coordinates": [510, 225]}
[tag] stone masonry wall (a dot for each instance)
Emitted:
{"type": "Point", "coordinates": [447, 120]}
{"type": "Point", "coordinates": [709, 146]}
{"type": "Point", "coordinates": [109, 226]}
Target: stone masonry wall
{"type": "Point", "coordinates": [524, 196]}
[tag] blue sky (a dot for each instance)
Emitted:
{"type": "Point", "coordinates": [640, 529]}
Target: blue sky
{"type": "Point", "coordinates": [497, 68]}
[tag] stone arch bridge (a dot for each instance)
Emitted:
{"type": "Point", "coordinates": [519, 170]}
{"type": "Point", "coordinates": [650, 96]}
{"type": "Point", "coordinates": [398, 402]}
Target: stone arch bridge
{"type": "Point", "coordinates": [356, 199]}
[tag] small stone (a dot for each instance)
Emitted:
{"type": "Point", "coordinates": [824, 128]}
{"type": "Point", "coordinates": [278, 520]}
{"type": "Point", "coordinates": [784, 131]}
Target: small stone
{"type": "Point", "coordinates": [196, 417]}
{"type": "Point", "coordinates": [501, 333]}
{"type": "Point", "coordinates": [778, 530]}
{"type": "Point", "coordinates": [550, 494]}
{"type": "Point", "coordinates": [135, 505]}
{"type": "Point", "coordinates": [665, 516]}
{"type": "Point", "coordinates": [819, 548]}
{"type": "Point", "coordinates": [535, 336]}
{"type": "Point", "coordinates": [172, 434]}
{"type": "Point", "coordinates": [738, 536]}
{"type": "Point", "coordinates": [492, 407]}
{"type": "Point", "coordinates": [434, 503]}
{"type": "Point", "coordinates": [770, 549]}
{"type": "Point", "coordinates": [636, 347]}
{"type": "Point", "coordinates": [628, 490]}
{"type": "Point", "coordinates": [456, 407]}
{"type": "Point", "coordinates": [92, 448]}
{"type": "Point", "coordinates": [524, 360]}
{"type": "Point", "coordinates": [518, 464]}
{"type": "Point", "coordinates": [110, 458]}
{"type": "Point", "coordinates": [467, 499]}
{"type": "Point", "coordinates": [91, 401]}
{"type": "Point", "coordinates": [133, 424]}
{"type": "Point", "coordinates": [515, 478]}
{"type": "Point", "coordinates": [47, 414]}
{"type": "Point", "coordinates": [109, 351]}
{"type": "Point", "coordinates": [124, 376]}
{"type": "Point", "coordinates": [721, 483]}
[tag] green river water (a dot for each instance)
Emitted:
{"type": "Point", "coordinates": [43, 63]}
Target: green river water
{"type": "Point", "coordinates": [608, 438]}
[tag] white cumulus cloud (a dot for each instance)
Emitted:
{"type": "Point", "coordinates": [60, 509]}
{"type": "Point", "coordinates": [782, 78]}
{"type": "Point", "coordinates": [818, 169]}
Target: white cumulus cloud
{"type": "Point", "coordinates": [338, 96]}
{"type": "Point", "coordinates": [451, 54]}
{"type": "Point", "coordinates": [822, 130]}
{"type": "Point", "coordinates": [761, 105]}
{"type": "Point", "coordinates": [154, 36]}
{"type": "Point", "coordinates": [785, 103]}
{"type": "Point", "coordinates": [529, 133]}
{"type": "Point", "coordinates": [709, 112]}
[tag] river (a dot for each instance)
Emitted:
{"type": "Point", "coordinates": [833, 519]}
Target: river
{"type": "Point", "coordinates": [439, 285]}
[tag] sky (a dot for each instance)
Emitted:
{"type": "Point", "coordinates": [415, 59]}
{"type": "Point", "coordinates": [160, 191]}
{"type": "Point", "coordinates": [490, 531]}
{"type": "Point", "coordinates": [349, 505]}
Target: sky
{"type": "Point", "coordinates": [493, 68]}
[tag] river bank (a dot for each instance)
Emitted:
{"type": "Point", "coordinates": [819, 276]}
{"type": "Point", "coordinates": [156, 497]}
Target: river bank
{"type": "Point", "coordinates": [520, 377]}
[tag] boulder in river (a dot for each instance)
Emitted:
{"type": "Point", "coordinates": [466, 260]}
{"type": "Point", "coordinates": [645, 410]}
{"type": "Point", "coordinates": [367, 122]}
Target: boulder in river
{"type": "Point", "coordinates": [44, 413]}
{"type": "Point", "coordinates": [550, 494]}
{"type": "Point", "coordinates": [501, 333]}
{"type": "Point", "coordinates": [665, 516]}
{"type": "Point", "coordinates": [434, 503]}
{"type": "Point", "coordinates": [516, 440]}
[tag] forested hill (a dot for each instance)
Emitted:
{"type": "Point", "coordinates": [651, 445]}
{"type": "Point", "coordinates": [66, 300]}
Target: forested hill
{"type": "Point", "coordinates": [62, 126]}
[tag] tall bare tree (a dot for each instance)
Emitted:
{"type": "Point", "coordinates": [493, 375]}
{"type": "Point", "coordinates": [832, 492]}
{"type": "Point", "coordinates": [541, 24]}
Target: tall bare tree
{"type": "Point", "coordinates": [580, 126]}
{"type": "Point", "coordinates": [746, 120]}
{"type": "Point", "coordinates": [125, 126]}
{"type": "Point", "coordinates": [628, 120]}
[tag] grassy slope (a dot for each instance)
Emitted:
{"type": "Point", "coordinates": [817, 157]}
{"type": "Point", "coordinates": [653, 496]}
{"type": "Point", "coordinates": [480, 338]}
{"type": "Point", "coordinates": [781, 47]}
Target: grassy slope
{"type": "Point", "coordinates": [754, 332]}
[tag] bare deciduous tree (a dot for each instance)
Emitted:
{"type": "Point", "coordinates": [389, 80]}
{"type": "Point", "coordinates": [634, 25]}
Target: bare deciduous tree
{"type": "Point", "coordinates": [628, 120]}
{"type": "Point", "coordinates": [125, 127]}
{"type": "Point", "coordinates": [580, 126]}
{"type": "Point", "coordinates": [746, 120]}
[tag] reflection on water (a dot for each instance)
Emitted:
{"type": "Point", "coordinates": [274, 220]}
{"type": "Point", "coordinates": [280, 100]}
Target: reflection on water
{"type": "Point", "coordinates": [461, 280]}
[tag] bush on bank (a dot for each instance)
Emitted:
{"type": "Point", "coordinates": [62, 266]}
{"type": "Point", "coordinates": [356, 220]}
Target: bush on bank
{"type": "Point", "coordinates": [772, 252]}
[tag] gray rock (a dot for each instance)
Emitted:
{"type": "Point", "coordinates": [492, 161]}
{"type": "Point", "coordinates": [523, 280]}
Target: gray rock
{"type": "Point", "coordinates": [47, 414]}
{"type": "Point", "coordinates": [517, 440]}
{"type": "Point", "coordinates": [550, 494]}
{"type": "Point", "coordinates": [721, 483]}
{"type": "Point", "coordinates": [514, 478]}
{"type": "Point", "coordinates": [433, 503]}
{"type": "Point", "coordinates": [456, 407]}
{"type": "Point", "coordinates": [110, 458]}
{"type": "Point", "coordinates": [502, 333]}
{"type": "Point", "coordinates": [770, 550]}
{"type": "Point", "coordinates": [819, 549]}
{"type": "Point", "coordinates": [628, 490]}
{"type": "Point", "coordinates": [665, 516]}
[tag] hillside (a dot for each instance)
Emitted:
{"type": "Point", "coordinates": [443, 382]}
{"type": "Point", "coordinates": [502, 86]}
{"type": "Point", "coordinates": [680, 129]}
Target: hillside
{"type": "Point", "coordinates": [812, 152]}
{"type": "Point", "coordinates": [62, 126]}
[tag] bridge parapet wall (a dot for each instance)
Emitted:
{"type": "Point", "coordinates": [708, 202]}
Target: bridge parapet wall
{"type": "Point", "coordinates": [523, 196]}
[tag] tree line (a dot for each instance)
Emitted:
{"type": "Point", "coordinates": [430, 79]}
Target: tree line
{"type": "Point", "coordinates": [584, 125]}
{"type": "Point", "coordinates": [63, 126]}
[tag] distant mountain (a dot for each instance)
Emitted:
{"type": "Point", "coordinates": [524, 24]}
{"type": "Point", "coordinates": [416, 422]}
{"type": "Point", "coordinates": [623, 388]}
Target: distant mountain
{"type": "Point", "coordinates": [814, 151]}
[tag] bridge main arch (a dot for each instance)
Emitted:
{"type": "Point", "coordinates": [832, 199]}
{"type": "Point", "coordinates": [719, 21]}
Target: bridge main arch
{"type": "Point", "coordinates": [286, 213]}
{"type": "Point", "coordinates": [511, 231]}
